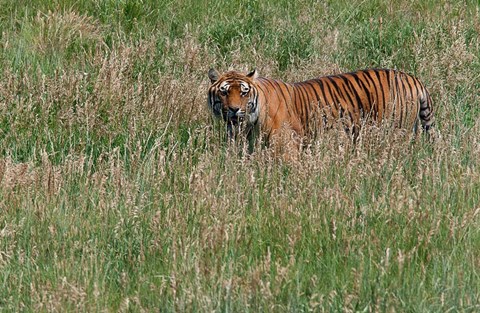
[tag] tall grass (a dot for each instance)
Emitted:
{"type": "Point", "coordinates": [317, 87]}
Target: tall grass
{"type": "Point", "coordinates": [119, 193]}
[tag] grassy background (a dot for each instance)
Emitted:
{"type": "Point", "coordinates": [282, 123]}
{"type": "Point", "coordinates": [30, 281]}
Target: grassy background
{"type": "Point", "coordinates": [118, 193]}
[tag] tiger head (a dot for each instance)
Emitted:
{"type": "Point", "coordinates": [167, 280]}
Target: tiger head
{"type": "Point", "coordinates": [233, 96]}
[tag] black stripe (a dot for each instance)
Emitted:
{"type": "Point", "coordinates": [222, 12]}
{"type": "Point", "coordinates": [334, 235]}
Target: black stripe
{"type": "Point", "coordinates": [288, 104]}
{"type": "Point", "coordinates": [303, 103]}
{"type": "Point", "coordinates": [212, 102]}
{"type": "Point", "coordinates": [310, 103]}
{"type": "Point", "coordinates": [414, 95]}
{"type": "Point", "coordinates": [410, 89]}
{"type": "Point", "coordinates": [371, 84]}
{"type": "Point", "coordinates": [381, 88]}
{"type": "Point", "coordinates": [368, 75]}
{"type": "Point", "coordinates": [387, 72]}
{"type": "Point", "coordinates": [296, 101]}
{"type": "Point", "coordinates": [333, 97]}
{"type": "Point", "coordinates": [322, 103]}
{"type": "Point", "coordinates": [352, 89]}
{"type": "Point", "coordinates": [262, 89]}
{"type": "Point", "coordinates": [311, 85]}
{"type": "Point", "coordinates": [337, 91]}
{"type": "Point", "coordinates": [255, 99]}
{"type": "Point", "coordinates": [342, 91]}
{"type": "Point", "coordinates": [401, 97]}
{"type": "Point", "coordinates": [287, 86]}
{"type": "Point", "coordinates": [364, 88]}
{"type": "Point", "coordinates": [322, 98]}
{"type": "Point", "coordinates": [273, 89]}
{"type": "Point", "coordinates": [277, 86]}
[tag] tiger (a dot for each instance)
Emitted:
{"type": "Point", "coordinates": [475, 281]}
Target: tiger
{"type": "Point", "coordinates": [256, 105]}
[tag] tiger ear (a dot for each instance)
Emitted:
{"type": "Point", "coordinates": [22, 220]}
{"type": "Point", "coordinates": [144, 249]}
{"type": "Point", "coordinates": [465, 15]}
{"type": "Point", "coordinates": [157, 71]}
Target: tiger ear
{"type": "Point", "coordinates": [213, 75]}
{"type": "Point", "coordinates": [253, 74]}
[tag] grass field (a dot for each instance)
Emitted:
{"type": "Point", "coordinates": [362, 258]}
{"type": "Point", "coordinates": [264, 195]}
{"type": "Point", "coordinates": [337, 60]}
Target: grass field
{"type": "Point", "coordinates": [119, 193]}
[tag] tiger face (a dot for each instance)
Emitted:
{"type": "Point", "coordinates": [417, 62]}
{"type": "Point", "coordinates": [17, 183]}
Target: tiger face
{"type": "Point", "coordinates": [233, 97]}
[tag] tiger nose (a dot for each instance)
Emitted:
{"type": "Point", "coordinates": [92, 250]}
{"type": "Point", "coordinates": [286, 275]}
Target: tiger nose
{"type": "Point", "coordinates": [233, 111]}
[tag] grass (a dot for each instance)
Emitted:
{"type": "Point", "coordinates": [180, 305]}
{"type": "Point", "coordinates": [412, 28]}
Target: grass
{"type": "Point", "coordinates": [119, 193]}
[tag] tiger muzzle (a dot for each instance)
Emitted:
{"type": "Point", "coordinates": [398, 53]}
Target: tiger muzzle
{"type": "Point", "coordinates": [234, 116]}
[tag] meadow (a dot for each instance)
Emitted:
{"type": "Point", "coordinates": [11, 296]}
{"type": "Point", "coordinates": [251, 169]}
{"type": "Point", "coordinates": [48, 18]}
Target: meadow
{"type": "Point", "coordinates": [118, 191]}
